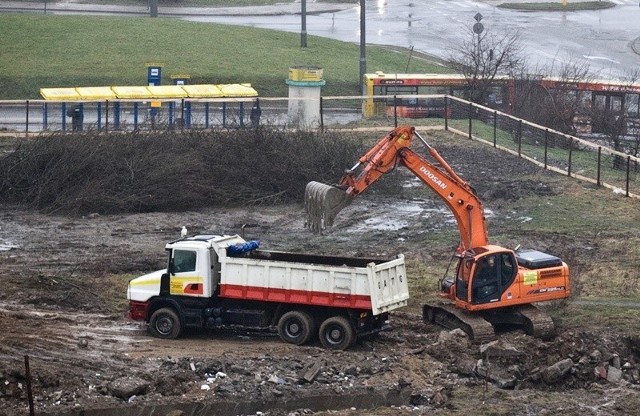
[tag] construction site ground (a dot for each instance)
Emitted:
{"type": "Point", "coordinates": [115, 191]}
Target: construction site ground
{"type": "Point", "coordinates": [63, 304]}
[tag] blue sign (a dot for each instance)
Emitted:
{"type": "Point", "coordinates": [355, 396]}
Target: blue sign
{"type": "Point", "coordinates": [154, 75]}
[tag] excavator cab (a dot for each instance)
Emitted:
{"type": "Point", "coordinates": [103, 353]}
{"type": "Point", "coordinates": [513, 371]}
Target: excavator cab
{"type": "Point", "coordinates": [482, 276]}
{"type": "Point", "coordinates": [493, 273]}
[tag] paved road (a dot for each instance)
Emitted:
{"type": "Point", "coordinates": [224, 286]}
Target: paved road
{"type": "Point", "coordinates": [603, 39]}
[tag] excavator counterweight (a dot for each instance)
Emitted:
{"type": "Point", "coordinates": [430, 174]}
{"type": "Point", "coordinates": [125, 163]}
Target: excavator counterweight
{"type": "Point", "coordinates": [491, 285]}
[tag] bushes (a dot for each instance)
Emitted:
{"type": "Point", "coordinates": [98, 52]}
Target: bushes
{"type": "Point", "coordinates": [170, 171]}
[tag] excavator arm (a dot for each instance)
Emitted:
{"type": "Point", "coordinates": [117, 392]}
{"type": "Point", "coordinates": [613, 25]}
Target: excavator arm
{"type": "Point", "coordinates": [393, 150]}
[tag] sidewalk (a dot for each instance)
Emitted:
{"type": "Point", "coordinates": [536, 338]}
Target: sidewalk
{"type": "Point", "coordinates": [83, 8]}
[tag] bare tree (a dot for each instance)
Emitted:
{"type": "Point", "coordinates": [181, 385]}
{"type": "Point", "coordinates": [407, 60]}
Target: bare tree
{"type": "Point", "coordinates": [555, 101]}
{"type": "Point", "coordinates": [481, 57]}
{"type": "Point", "coordinates": [615, 116]}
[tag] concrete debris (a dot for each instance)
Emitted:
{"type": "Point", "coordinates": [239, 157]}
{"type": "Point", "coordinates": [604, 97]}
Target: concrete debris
{"type": "Point", "coordinates": [312, 371]}
{"type": "Point", "coordinates": [614, 375]}
{"type": "Point", "coordinates": [499, 348]}
{"type": "Point", "coordinates": [496, 374]}
{"type": "Point", "coordinates": [126, 387]}
{"type": "Point", "coordinates": [557, 371]}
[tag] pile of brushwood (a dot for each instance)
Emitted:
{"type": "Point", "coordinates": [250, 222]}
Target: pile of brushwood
{"type": "Point", "coordinates": [170, 171]}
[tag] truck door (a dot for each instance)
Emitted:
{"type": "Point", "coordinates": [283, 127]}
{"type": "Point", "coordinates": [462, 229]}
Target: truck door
{"type": "Point", "coordinates": [185, 278]}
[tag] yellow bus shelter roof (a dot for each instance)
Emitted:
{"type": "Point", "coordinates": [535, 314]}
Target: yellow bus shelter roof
{"type": "Point", "coordinates": [60, 94]}
{"type": "Point", "coordinates": [203, 91]}
{"type": "Point", "coordinates": [238, 90]}
{"type": "Point", "coordinates": [132, 92]}
{"type": "Point", "coordinates": [167, 91]}
{"type": "Point", "coordinates": [96, 93]}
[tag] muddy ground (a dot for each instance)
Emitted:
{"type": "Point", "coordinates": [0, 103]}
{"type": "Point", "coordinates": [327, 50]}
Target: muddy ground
{"type": "Point", "coordinates": [63, 303]}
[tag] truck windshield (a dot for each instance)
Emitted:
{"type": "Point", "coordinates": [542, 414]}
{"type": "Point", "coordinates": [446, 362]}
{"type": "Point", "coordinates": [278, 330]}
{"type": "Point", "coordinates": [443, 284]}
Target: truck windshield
{"type": "Point", "coordinates": [184, 261]}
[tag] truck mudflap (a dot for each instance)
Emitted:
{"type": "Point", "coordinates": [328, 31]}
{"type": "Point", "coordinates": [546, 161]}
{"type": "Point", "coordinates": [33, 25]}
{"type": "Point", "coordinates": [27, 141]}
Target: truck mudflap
{"type": "Point", "coordinates": [368, 324]}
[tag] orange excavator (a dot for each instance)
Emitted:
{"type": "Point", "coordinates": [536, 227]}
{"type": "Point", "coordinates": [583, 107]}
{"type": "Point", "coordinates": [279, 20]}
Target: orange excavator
{"type": "Point", "coordinates": [492, 286]}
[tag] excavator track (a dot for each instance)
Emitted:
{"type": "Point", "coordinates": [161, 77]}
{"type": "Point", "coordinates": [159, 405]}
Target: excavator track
{"type": "Point", "coordinates": [481, 326]}
{"type": "Point", "coordinates": [536, 322]}
{"type": "Point", "coordinates": [450, 317]}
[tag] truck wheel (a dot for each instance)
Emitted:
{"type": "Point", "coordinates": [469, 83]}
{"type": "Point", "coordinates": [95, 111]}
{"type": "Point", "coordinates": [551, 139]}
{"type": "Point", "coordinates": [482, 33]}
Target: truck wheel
{"type": "Point", "coordinates": [165, 323]}
{"type": "Point", "coordinates": [336, 333]}
{"type": "Point", "coordinates": [296, 327]}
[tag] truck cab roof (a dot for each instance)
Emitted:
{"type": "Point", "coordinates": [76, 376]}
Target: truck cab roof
{"type": "Point", "coordinates": [207, 240]}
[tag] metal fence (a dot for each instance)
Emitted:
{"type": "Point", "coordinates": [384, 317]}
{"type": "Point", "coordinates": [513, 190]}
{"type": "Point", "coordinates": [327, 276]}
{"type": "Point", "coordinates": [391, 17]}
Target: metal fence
{"type": "Point", "coordinates": [36, 116]}
{"type": "Point", "coordinates": [586, 159]}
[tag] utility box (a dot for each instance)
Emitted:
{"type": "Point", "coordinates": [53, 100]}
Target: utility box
{"type": "Point", "coordinates": [180, 79]}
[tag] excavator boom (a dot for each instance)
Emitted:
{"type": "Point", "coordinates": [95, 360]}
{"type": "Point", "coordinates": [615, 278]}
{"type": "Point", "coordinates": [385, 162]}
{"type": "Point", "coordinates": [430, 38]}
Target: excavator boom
{"type": "Point", "coordinates": [323, 202]}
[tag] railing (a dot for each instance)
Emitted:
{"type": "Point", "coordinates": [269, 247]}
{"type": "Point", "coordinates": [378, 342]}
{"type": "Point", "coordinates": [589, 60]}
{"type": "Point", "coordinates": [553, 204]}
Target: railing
{"type": "Point", "coordinates": [589, 160]}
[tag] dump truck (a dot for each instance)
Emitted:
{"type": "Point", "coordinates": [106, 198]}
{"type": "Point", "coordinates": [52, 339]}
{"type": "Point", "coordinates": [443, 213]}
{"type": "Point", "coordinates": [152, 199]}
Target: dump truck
{"type": "Point", "coordinates": [490, 285]}
{"type": "Point", "coordinates": [225, 281]}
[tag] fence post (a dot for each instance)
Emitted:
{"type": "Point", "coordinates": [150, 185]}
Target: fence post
{"type": "Point", "coordinates": [135, 115]}
{"type": "Point", "coordinates": [187, 116]}
{"type": "Point", "coordinates": [599, 165]}
{"type": "Point", "coordinates": [27, 121]}
{"type": "Point", "coordinates": [570, 155]}
{"type": "Point", "coordinates": [446, 113]}
{"type": "Point", "coordinates": [495, 128]}
{"type": "Point", "coordinates": [45, 116]}
{"type": "Point", "coordinates": [628, 171]}
{"type": "Point", "coordinates": [519, 133]}
{"type": "Point", "coordinates": [546, 147]}
{"type": "Point", "coordinates": [470, 113]}
{"type": "Point", "coordinates": [99, 111]}
{"type": "Point", "coordinates": [64, 116]}
{"type": "Point", "coordinates": [27, 373]}
{"type": "Point", "coordinates": [321, 114]}
{"type": "Point", "coordinates": [182, 114]}
{"type": "Point", "coordinates": [395, 111]}
{"type": "Point", "coordinates": [206, 115]}
{"type": "Point", "coordinates": [116, 115]}
{"type": "Point", "coordinates": [224, 114]}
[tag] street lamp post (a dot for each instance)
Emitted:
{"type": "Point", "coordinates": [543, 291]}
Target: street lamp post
{"type": "Point", "coordinates": [363, 41]}
{"type": "Point", "coordinates": [303, 32]}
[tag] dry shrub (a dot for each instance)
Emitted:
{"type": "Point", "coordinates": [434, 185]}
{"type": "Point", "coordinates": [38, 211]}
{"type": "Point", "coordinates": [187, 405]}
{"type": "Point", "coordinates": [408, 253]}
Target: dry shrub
{"type": "Point", "coordinates": [170, 171]}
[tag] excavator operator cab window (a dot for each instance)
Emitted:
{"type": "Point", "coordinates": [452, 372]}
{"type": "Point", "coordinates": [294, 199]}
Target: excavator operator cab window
{"type": "Point", "coordinates": [486, 282]}
{"type": "Point", "coordinates": [465, 266]}
{"type": "Point", "coordinates": [493, 273]}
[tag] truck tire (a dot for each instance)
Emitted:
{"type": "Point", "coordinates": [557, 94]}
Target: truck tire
{"type": "Point", "coordinates": [165, 323]}
{"type": "Point", "coordinates": [336, 333]}
{"type": "Point", "coordinates": [296, 327]}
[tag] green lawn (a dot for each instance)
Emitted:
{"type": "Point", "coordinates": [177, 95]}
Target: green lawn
{"type": "Point", "coordinates": [65, 51]}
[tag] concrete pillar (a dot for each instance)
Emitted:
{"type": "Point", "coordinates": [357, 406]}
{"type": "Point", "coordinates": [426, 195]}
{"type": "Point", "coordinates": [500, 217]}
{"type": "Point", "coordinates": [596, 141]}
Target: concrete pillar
{"type": "Point", "coordinates": [305, 84]}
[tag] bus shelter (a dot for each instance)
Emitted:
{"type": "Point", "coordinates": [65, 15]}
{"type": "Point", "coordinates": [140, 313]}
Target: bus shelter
{"type": "Point", "coordinates": [124, 107]}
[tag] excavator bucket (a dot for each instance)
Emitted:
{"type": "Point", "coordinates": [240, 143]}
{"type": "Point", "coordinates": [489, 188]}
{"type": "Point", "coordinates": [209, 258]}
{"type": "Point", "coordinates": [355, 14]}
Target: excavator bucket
{"type": "Point", "coordinates": [323, 203]}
